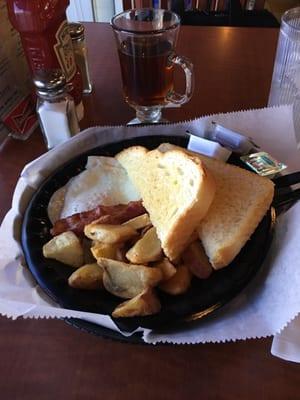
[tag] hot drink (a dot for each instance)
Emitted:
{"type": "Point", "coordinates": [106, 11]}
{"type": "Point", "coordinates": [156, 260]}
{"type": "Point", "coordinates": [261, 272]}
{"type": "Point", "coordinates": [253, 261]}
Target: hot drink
{"type": "Point", "coordinates": [147, 71]}
{"type": "Point", "coordinates": [146, 43]}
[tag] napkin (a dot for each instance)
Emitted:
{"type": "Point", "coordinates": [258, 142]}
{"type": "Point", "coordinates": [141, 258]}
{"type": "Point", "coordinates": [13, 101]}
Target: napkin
{"type": "Point", "coordinates": [256, 312]}
{"type": "Point", "coordinates": [286, 344]}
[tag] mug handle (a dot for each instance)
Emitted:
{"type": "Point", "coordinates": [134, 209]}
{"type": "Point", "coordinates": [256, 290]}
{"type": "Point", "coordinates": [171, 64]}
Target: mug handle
{"type": "Point", "coordinates": [173, 97]}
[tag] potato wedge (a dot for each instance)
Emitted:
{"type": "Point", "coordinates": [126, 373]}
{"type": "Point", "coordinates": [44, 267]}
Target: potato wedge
{"type": "Point", "coordinates": [109, 234]}
{"type": "Point", "coordinates": [65, 248]}
{"type": "Point", "coordinates": [167, 268]}
{"type": "Point", "coordinates": [89, 277]}
{"type": "Point", "coordinates": [145, 303]}
{"type": "Point", "coordinates": [179, 283]}
{"type": "Point", "coordinates": [128, 280]}
{"type": "Point", "coordinates": [145, 250]}
{"type": "Point", "coordinates": [196, 260]}
{"type": "Point", "coordinates": [104, 250]}
{"type": "Point", "coordinates": [139, 222]}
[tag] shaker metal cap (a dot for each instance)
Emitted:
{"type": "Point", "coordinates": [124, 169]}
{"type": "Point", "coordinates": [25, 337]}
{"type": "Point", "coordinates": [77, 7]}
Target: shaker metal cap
{"type": "Point", "coordinates": [50, 82]}
{"type": "Point", "coordinates": [76, 31]}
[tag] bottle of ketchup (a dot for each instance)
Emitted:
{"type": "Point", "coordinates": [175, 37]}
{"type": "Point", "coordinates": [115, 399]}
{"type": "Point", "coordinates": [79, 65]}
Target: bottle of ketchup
{"type": "Point", "coordinates": [45, 37]}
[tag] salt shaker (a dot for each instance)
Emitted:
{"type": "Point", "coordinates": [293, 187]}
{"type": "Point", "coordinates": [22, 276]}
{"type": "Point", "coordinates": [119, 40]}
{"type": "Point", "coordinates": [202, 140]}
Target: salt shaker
{"type": "Point", "coordinates": [55, 107]}
{"type": "Point", "coordinates": [79, 45]}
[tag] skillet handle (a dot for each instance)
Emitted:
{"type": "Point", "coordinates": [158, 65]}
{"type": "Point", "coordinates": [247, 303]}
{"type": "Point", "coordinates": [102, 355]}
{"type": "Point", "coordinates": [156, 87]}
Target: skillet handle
{"type": "Point", "coordinates": [287, 180]}
{"type": "Point", "coordinates": [285, 196]}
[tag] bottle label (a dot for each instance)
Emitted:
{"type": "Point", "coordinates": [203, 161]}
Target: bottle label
{"type": "Point", "coordinates": [64, 51]}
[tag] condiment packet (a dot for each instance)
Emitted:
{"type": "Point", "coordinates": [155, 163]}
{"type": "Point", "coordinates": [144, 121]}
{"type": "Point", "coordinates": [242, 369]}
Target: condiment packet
{"type": "Point", "coordinates": [263, 164]}
{"type": "Point", "coordinates": [232, 140]}
{"type": "Point", "coordinates": [256, 312]}
{"type": "Point", "coordinates": [208, 148]}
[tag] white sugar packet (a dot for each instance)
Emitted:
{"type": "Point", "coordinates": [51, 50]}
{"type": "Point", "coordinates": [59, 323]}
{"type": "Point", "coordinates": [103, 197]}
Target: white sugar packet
{"type": "Point", "coordinates": [264, 308]}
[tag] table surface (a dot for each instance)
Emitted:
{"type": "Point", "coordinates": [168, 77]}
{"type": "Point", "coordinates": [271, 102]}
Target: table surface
{"type": "Point", "coordinates": [50, 359]}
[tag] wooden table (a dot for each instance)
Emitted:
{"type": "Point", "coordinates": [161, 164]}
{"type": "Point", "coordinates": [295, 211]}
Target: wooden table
{"type": "Point", "coordinates": [51, 360]}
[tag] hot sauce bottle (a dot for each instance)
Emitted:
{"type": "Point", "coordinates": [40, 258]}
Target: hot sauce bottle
{"type": "Point", "coordinates": [46, 40]}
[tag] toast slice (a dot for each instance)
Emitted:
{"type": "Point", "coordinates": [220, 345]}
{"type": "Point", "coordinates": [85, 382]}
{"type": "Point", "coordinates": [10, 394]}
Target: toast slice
{"type": "Point", "coordinates": [242, 199]}
{"type": "Point", "coordinates": [176, 190]}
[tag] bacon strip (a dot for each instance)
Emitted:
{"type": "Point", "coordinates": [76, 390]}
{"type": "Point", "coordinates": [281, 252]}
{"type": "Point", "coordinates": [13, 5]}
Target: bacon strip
{"type": "Point", "coordinates": [114, 215]}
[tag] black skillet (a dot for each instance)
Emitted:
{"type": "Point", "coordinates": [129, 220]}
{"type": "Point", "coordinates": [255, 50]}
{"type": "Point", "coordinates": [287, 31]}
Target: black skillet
{"type": "Point", "coordinates": [202, 299]}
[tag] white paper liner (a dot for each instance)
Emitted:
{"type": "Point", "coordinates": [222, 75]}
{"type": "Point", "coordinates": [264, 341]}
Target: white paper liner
{"type": "Point", "coordinates": [286, 344]}
{"type": "Point", "coordinates": [264, 308]}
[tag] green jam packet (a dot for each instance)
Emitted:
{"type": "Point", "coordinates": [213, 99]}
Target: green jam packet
{"type": "Point", "coordinates": [263, 164]}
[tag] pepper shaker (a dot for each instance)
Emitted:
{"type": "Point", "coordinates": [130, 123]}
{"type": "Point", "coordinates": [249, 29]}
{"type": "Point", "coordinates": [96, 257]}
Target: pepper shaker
{"type": "Point", "coordinates": [80, 50]}
{"type": "Point", "coordinates": [55, 107]}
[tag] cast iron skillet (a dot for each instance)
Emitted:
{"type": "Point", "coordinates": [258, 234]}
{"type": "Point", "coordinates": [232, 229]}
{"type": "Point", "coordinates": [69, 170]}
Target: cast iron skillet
{"type": "Point", "coordinates": [202, 299]}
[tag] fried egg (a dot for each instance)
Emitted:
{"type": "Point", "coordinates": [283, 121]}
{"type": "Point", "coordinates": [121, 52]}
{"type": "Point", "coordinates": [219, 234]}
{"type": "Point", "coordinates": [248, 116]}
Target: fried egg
{"type": "Point", "coordinates": [103, 182]}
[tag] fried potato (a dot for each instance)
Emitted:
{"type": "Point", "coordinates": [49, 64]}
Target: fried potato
{"type": "Point", "coordinates": [104, 250]}
{"type": "Point", "coordinates": [89, 276]}
{"type": "Point", "coordinates": [179, 283]}
{"type": "Point", "coordinates": [109, 234]}
{"type": "Point", "coordinates": [145, 303]}
{"type": "Point", "coordinates": [128, 280]}
{"type": "Point", "coordinates": [144, 230]}
{"type": "Point", "coordinates": [65, 248]}
{"type": "Point", "coordinates": [145, 250]}
{"type": "Point", "coordinates": [196, 260]}
{"type": "Point", "coordinates": [139, 222]}
{"type": "Point", "coordinates": [167, 268]}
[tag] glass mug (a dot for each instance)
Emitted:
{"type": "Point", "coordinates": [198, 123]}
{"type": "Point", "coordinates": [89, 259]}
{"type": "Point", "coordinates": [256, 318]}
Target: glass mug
{"type": "Point", "coordinates": [146, 40]}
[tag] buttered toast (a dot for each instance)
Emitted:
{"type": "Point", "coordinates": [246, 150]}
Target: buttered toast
{"type": "Point", "coordinates": [176, 189]}
{"type": "Point", "coordinates": [242, 198]}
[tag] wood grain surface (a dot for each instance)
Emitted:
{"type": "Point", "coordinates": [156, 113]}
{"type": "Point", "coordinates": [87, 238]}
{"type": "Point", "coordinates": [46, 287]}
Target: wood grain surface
{"type": "Point", "coordinates": [48, 359]}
